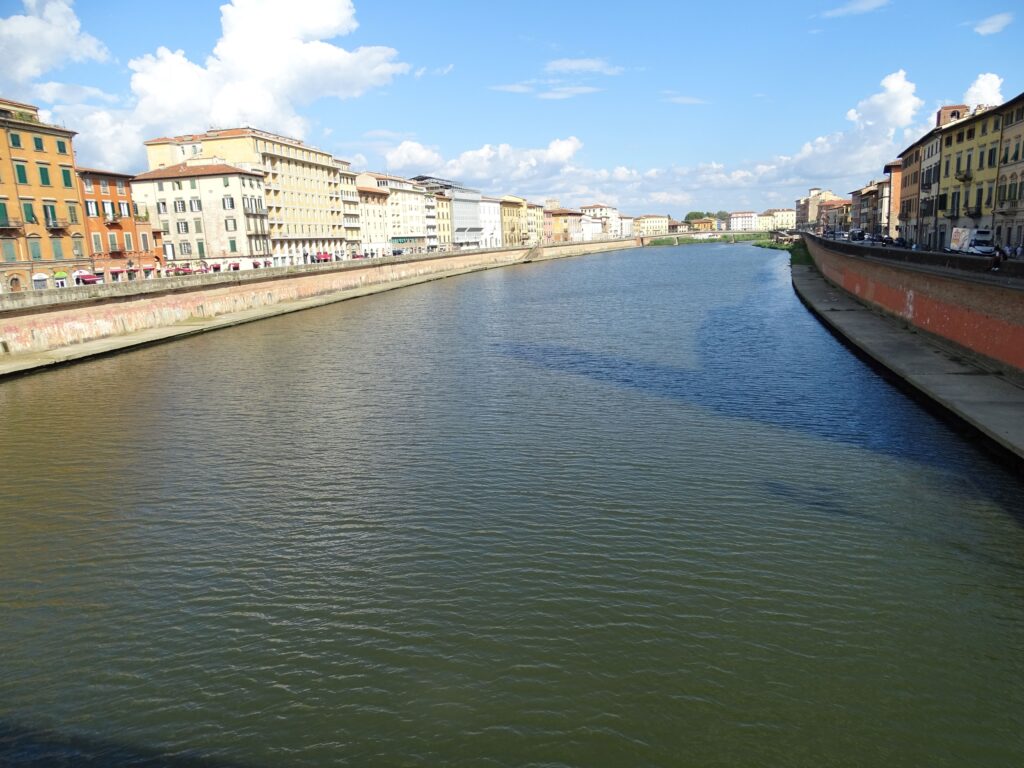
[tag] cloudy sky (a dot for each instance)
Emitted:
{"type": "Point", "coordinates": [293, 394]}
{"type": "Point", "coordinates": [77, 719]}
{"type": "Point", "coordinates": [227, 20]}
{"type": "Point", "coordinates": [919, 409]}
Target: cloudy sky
{"type": "Point", "coordinates": [654, 106]}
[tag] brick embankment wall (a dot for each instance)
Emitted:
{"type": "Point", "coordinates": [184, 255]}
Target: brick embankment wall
{"type": "Point", "coordinates": [42, 321]}
{"type": "Point", "coordinates": [983, 318]}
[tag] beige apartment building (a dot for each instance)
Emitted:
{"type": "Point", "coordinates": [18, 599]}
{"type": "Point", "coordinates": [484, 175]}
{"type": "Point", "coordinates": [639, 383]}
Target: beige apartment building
{"type": "Point", "coordinates": [650, 224]}
{"type": "Point", "coordinates": [42, 230]}
{"type": "Point", "coordinates": [514, 221]}
{"type": "Point", "coordinates": [350, 208]}
{"type": "Point", "coordinates": [374, 218]}
{"type": "Point", "coordinates": [304, 188]}
{"type": "Point", "coordinates": [444, 221]}
{"type": "Point", "coordinates": [1008, 216]}
{"type": "Point", "coordinates": [407, 211]}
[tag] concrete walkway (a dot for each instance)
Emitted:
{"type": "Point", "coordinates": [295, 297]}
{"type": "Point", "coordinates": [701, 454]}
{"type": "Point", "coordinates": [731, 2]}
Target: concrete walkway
{"type": "Point", "coordinates": [985, 400]}
{"type": "Point", "coordinates": [32, 362]}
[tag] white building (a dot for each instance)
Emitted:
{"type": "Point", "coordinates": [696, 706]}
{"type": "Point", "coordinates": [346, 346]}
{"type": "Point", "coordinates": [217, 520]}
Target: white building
{"type": "Point", "coordinates": [625, 226]}
{"type": "Point", "coordinates": [651, 224]}
{"type": "Point", "coordinates": [211, 214]}
{"type": "Point", "coordinates": [490, 222]}
{"type": "Point", "coordinates": [430, 217]}
{"type": "Point", "coordinates": [592, 228]}
{"type": "Point", "coordinates": [610, 218]}
{"type": "Point", "coordinates": [466, 229]}
{"type": "Point", "coordinates": [743, 221]}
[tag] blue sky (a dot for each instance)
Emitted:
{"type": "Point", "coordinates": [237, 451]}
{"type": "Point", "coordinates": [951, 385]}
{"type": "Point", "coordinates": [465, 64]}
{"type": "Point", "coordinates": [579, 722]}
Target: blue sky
{"type": "Point", "coordinates": [654, 106]}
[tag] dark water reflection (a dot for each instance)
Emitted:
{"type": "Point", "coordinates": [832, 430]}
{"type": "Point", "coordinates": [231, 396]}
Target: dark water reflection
{"type": "Point", "coordinates": [637, 509]}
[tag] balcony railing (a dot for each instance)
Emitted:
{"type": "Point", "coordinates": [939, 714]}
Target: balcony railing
{"type": "Point", "coordinates": [952, 213]}
{"type": "Point", "coordinates": [57, 223]}
{"type": "Point", "coordinates": [973, 211]}
{"type": "Point", "coordinates": [964, 175]}
{"type": "Point", "coordinates": [11, 224]}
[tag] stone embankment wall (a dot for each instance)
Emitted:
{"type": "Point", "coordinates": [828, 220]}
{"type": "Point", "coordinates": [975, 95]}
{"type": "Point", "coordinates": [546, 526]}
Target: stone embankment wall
{"type": "Point", "coordinates": [41, 321]}
{"type": "Point", "coordinates": [982, 316]}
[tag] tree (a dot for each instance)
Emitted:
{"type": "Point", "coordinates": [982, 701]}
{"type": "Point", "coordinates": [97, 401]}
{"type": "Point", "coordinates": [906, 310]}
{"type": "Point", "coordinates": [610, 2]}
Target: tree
{"type": "Point", "coordinates": [721, 215]}
{"type": "Point", "coordinates": [695, 215]}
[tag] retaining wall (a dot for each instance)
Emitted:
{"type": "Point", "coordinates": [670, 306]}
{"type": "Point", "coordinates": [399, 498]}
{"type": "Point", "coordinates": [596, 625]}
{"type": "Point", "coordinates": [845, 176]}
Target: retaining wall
{"type": "Point", "coordinates": [982, 317]}
{"type": "Point", "coordinates": [41, 321]}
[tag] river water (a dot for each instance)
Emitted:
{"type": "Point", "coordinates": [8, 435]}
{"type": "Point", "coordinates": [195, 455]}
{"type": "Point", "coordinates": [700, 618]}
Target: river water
{"type": "Point", "coordinates": [632, 509]}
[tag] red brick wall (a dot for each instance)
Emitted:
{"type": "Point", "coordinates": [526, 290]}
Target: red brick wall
{"type": "Point", "coordinates": [983, 318]}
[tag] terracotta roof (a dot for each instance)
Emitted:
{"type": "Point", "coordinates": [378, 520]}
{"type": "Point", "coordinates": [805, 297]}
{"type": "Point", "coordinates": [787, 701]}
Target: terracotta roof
{"type": "Point", "coordinates": [375, 190]}
{"type": "Point", "coordinates": [183, 171]}
{"type": "Point", "coordinates": [595, 205]}
{"type": "Point", "coordinates": [99, 172]}
{"type": "Point", "coordinates": [564, 212]}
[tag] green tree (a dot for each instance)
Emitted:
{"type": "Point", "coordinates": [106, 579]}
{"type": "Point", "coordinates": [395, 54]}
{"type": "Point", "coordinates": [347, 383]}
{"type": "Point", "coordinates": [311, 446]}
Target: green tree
{"type": "Point", "coordinates": [695, 215]}
{"type": "Point", "coordinates": [721, 215]}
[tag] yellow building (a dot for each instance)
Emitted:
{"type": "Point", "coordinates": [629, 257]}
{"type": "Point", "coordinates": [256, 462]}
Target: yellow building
{"type": "Point", "coordinates": [651, 224]}
{"type": "Point", "coordinates": [350, 208]}
{"type": "Point", "coordinates": [444, 221]}
{"type": "Point", "coordinates": [563, 225]}
{"type": "Point", "coordinates": [1009, 212]}
{"type": "Point", "coordinates": [42, 230]}
{"type": "Point", "coordinates": [304, 189]}
{"type": "Point", "coordinates": [969, 169]}
{"type": "Point", "coordinates": [514, 221]}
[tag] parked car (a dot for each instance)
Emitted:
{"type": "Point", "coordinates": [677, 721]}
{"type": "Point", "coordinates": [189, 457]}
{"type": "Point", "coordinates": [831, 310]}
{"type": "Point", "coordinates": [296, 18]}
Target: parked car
{"type": "Point", "coordinates": [857, 235]}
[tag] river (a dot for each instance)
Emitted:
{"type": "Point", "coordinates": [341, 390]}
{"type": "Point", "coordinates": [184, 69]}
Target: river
{"type": "Point", "coordinates": [630, 509]}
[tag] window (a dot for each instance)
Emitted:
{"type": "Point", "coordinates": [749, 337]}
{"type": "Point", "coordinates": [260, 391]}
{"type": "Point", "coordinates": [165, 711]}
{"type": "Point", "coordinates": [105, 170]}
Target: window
{"type": "Point", "coordinates": [72, 213]}
{"type": "Point", "coordinates": [124, 209]}
{"type": "Point", "coordinates": [165, 227]}
{"type": "Point", "coordinates": [35, 250]}
{"type": "Point", "coordinates": [195, 204]}
{"type": "Point", "coordinates": [182, 227]}
{"type": "Point", "coordinates": [191, 183]}
{"type": "Point", "coordinates": [21, 173]}
{"type": "Point", "coordinates": [226, 181]}
{"type": "Point", "coordinates": [62, 147]}
{"type": "Point", "coordinates": [949, 141]}
{"type": "Point", "coordinates": [76, 247]}
{"type": "Point", "coordinates": [16, 140]}
{"type": "Point", "coordinates": [44, 175]}
{"type": "Point", "coordinates": [161, 206]}
{"type": "Point", "coordinates": [108, 209]}
{"type": "Point", "coordinates": [228, 203]}
{"type": "Point", "coordinates": [185, 248]}
{"type": "Point", "coordinates": [87, 184]}
{"type": "Point", "coordinates": [49, 212]}
{"type": "Point", "coordinates": [120, 186]}
{"type": "Point", "coordinates": [230, 225]}
{"type": "Point", "coordinates": [8, 248]}
{"type": "Point", "coordinates": [233, 245]}
{"type": "Point", "coordinates": [144, 238]}
{"type": "Point", "coordinates": [104, 185]}
{"type": "Point", "coordinates": [159, 186]}
{"type": "Point", "coordinates": [175, 185]}
{"type": "Point", "coordinates": [30, 214]}
{"type": "Point", "coordinates": [112, 241]}
{"type": "Point", "coordinates": [197, 226]}
{"type": "Point", "coordinates": [129, 241]}
{"type": "Point", "coordinates": [91, 208]}
{"type": "Point", "coordinates": [992, 156]}
{"type": "Point", "coordinates": [201, 246]}
{"type": "Point", "coordinates": [37, 142]}
{"type": "Point", "coordinates": [970, 134]}
{"type": "Point", "coordinates": [3, 213]}
{"type": "Point", "coordinates": [97, 243]}
{"type": "Point", "coordinates": [179, 206]}
{"type": "Point", "coordinates": [58, 249]}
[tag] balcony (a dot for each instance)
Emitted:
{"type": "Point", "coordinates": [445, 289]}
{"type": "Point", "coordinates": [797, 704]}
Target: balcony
{"type": "Point", "coordinates": [142, 217]}
{"type": "Point", "coordinates": [6, 223]}
{"type": "Point", "coordinates": [952, 213]}
{"type": "Point", "coordinates": [973, 212]}
{"type": "Point", "coordinates": [964, 176]}
{"type": "Point", "coordinates": [57, 224]}
{"type": "Point", "coordinates": [112, 218]}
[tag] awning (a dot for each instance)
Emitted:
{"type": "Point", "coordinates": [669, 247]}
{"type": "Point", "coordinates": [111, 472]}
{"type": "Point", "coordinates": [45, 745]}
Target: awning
{"type": "Point", "coordinates": [148, 267]}
{"type": "Point", "coordinates": [133, 269]}
{"type": "Point", "coordinates": [234, 265]}
{"type": "Point", "coordinates": [115, 270]}
{"type": "Point", "coordinates": [88, 279]}
{"type": "Point", "coordinates": [60, 274]}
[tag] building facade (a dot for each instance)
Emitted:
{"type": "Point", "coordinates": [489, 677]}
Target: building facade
{"type": "Point", "coordinates": [651, 224]}
{"type": "Point", "coordinates": [514, 221]}
{"type": "Point", "coordinates": [1008, 217]}
{"type": "Point", "coordinates": [42, 230]}
{"type": "Point", "coordinates": [349, 208]}
{"type": "Point", "coordinates": [407, 212]}
{"type": "Point", "coordinates": [374, 218]}
{"type": "Point", "coordinates": [490, 223]}
{"type": "Point", "coordinates": [782, 218]}
{"type": "Point", "coordinates": [743, 221]}
{"type": "Point", "coordinates": [465, 203]}
{"type": "Point", "coordinates": [212, 216]}
{"type": "Point", "coordinates": [306, 214]}
{"type": "Point", "coordinates": [806, 212]}
{"type": "Point", "coordinates": [119, 233]}
{"type": "Point", "coordinates": [563, 225]}
{"type": "Point", "coordinates": [444, 221]}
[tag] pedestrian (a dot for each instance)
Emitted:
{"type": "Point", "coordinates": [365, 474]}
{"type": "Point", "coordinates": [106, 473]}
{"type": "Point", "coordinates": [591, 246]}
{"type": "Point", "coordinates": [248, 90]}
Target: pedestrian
{"type": "Point", "coordinates": [1020, 250]}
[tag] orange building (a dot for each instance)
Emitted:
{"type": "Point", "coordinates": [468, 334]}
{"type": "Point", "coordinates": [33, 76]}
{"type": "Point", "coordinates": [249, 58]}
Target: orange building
{"type": "Point", "coordinates": [121, 240]}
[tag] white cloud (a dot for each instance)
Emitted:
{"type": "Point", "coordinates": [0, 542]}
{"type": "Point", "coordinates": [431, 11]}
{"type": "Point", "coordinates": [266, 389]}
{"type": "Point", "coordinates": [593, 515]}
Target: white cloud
{"type": "Point", "coordinates": [51, 93]}
{"type": "Point", "coordinates": [993, 24]}
{"type": "Point", "coordinates": [238, 84]}
{"type": "Point", "coordinates": [513, 88]}
{"type": "Point", "coordinates": [412, 154]}
{"type": "Point", "coordinates": [445, 70]}
{"type": "Point", "coordinates": [855, 7]}
{"type": "Point", "coordinates": [567, 91]}
{"type": "Point", "coordinates": [986, 89]}
{"type": "Point", "coordinates": [582, 66]}
{"type": "Point", "coordinates": [358, 161]}
{"type": "Point", "coordinates": [47, 35]}
{"type": "Point", "coordinates": [684, 100]}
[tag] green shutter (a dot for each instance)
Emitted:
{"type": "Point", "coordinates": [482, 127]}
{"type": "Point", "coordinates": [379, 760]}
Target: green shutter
{"type": "Point", "coordinates": [9, 252]}
{"type": "Point", "coordinates": [202, 249]}
{"type": "Point", "coordinates": [22, 173]}
{"type": "Point", "coordinates": [34, 250]}
{"type": "Point", "coordinates": [3, 214]}
{"type": "Point", "coordinates": [66, 175]}
{"type": "Point", "coordinates": [30, 214]}
{"type": "Point", "coordinates": [58, 249]}
{"type": "Point", "coordinates": [37, 141]}
{"type": "Point", "coordinates": [62, 147]}
{"type": "Point", "coordinates": [44, 175]}
{"type": "Point", "coordinates": [16, 140]}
